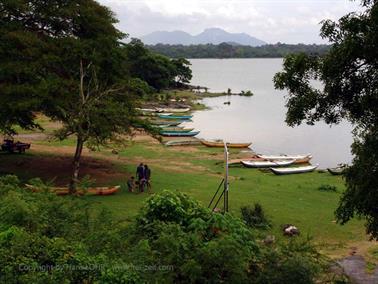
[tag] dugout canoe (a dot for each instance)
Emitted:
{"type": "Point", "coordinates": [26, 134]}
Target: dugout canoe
{"type": "Point", "coordinates": [284, 157]}
{"type": "Point", "coordinates": [221, 144]}
{"type": "Point", "coordinates": [162, 123]}
{"type": "Point", "coordinates": [337, 170]}
{"type": "Point", "coordinates": [176, 129]}
{"type": "Point", "coordinates": [182, 117]}
{"type": "Point", "coordinates": [182, 142]}
{"type": "Point", "coordinates": [266, 164]}
{"type": "Point", "coordinates": [305, 160]}
{"type": "Point", "coordinates": [108, 190]}
{"type": "Point", "coordinates": [174, 110]}
{"type": "Point", "coordinates": [293, 170]}
{"type": "Point", "coordinates": [179, 134]}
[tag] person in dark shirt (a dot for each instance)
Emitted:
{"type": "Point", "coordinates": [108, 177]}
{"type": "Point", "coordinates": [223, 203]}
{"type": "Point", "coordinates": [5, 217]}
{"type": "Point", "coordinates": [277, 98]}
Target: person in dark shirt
{"type": "Point", "coordinates": [140, 173]}
{"type": "Point", "coordinates": [147, 176]}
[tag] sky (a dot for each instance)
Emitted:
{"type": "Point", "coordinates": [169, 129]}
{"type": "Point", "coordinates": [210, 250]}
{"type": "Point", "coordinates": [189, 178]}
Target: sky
{"type": "Point", "coordinates": [286, 21]}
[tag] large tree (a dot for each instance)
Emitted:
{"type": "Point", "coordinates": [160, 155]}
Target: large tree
{"type": "Point", "coordinates": [349, 75]}
{"type": "Point", "coordinates": [63, 58]}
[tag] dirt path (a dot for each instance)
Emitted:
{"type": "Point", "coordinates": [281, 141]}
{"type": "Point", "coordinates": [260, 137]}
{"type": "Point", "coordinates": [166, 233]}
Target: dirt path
{"type": "Point", "coordinates": [355, 268]}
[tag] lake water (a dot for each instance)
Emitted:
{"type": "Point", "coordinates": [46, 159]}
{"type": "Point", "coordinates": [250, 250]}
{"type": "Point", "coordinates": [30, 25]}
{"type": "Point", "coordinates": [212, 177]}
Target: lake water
{"type": "Point", "coordinates": [261, 118]}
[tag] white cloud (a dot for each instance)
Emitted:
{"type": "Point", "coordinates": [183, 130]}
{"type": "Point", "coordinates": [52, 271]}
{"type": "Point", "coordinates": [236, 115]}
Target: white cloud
{"type": "Point", "coordinates": [290, 21]}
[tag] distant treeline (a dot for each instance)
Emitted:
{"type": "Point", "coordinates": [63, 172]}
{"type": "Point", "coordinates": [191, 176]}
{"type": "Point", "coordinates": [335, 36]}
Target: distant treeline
{"type": "Point", "coordinates": [225, 50]}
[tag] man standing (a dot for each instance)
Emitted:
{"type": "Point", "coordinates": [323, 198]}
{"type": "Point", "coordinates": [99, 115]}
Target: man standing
{"type": "Point", "coordinates": [147, 176]}
{"type": "Point", "coordinates": [140, 176]}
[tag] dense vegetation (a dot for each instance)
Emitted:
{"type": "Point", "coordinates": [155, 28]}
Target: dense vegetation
{"type": "Point", "coordinates": [49, 239]}
{"type": "Point", "coordinates": [66, 60]}
{"type": "Point", "coordinates": [225, 50]}
{"type": "Point", "coordinates": [350, 79]}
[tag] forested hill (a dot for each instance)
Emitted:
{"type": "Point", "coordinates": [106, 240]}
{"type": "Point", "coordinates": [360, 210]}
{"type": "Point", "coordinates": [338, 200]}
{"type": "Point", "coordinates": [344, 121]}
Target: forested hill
{"type": "Point", "coordinates": [229, 50]}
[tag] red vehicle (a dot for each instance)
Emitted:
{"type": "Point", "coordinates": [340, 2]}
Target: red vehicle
{"type": "Point", "coordinates": [11, 146]}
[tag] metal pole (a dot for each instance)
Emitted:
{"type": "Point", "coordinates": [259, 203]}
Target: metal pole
{"type": "Point", "coordinates": [226, 178]}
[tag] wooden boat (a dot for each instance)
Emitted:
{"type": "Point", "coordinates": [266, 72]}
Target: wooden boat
{"type": "Point", "coordinates": [283, 157]}
{"type": "Point", "coordinates": [175, 110]}
{"type": "Point", "coordinates": [177, 129]}
{"type": "Point", "coordinates": [166, 123]}
{"type": "Point", "coordinates": [305, 160]}
{"type": "Point", "coordinates": [179, 134]}
{"type": "Point", "coordinates": [182, 142]}
{"type": "Point", "coordinates": [337, 170]}
{"type": "Point", "coordinates": [221, 144]}
{"type": "Point", "coordinates": [61, 191]}
{"type": "Point", "coordinates": [182, 117]}
{"type": "Point", "coordinates": [266, 164]}
{"type": "Point", "coordinates": [293, 170]}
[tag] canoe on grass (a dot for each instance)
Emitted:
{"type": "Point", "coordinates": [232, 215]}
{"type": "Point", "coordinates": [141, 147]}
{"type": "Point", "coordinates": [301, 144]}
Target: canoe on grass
{"type": "Point", "coordinates": [293, 170]}
{"type": "Point", "coordinates": [179, 134]}
{"type": "Point", "coordinates": [221, 144]}
{"type": "Point", "coordinates": [175, 110]}
{"type": "Point", "coordinates": [182, 142]}
{"type": "Point", "coordinates": [266, 164]}
{"type": "Point", "coordinates": [176, 129]}
{"type": "Point", "coordinates": [337, 171]}
{"type": "Point", "coordinates": [305, 160]}
{"type": "Point", "coordinates": [183, 117]}
{"type": "Point", "coordinates": [166, 123]}
{"type": "Point", "coordinates": [90, 191]}
{"type": "Point", "coordinates": [284, 157]}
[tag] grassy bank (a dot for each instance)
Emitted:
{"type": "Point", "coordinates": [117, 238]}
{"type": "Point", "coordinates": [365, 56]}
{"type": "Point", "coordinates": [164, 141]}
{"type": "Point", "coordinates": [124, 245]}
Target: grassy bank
{"type": "Point", "coordinates": [197, 171]}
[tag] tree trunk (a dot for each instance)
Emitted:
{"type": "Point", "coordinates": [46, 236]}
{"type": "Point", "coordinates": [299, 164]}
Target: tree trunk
{"type": "Point", "coordinates": [76, 165]}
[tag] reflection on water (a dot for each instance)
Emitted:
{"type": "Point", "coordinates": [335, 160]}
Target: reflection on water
{"type": "Point", "coordinates": [260, 118]}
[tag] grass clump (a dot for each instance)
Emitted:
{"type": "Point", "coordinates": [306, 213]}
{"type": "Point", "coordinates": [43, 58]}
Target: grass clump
{"type": "Point", "coordinates": [327, 187]}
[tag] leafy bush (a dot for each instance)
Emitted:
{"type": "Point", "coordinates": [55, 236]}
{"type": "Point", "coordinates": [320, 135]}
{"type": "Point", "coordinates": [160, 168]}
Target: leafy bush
{"type": "Point", "coordinates": [52, 239]}
{"type": "Point", "coordinates": [255, 217]}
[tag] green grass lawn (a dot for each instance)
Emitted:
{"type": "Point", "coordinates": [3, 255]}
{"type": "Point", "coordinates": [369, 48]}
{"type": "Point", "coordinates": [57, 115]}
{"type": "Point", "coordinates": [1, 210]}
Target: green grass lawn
{"type": "Point", "coordinates": [197, 171]}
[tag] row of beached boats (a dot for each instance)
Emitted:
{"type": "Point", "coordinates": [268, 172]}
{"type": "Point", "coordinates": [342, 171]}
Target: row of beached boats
{"type": "Point", "coordinates": [282, 164]}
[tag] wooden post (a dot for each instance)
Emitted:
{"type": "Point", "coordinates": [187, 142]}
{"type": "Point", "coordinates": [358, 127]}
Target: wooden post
{"type": "Point", "coordinates": [226, 187]}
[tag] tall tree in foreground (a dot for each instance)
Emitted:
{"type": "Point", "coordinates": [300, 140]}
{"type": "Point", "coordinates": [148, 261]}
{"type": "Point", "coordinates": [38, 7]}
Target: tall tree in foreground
{"type": "Point", "coordinates": [63, 59]}
{"type": "Point", "coordinates": [349, 73]}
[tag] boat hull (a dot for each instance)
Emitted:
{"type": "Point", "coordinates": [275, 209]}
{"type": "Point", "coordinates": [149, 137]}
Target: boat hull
{"type": "Point", "coordinates": [183, 117]}
{"type": "Point", "coordinates": [295, 170]}
{"type": "Point", "coordinates": [179, 134]}
{"type": "Point", "coordinates": [266, 164]}
{"type": "Point", "coordinates": [221, 144]}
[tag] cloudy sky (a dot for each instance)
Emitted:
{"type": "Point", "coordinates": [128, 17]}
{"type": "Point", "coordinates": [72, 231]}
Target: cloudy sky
{"type": "Point", "coordinates": [289, 21]}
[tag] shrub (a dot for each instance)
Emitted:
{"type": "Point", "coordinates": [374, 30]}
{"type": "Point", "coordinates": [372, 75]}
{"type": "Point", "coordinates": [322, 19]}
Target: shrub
{"type": "Point", "coordinates": [255, 217]}
{"type": "Point", "coordinates": [47, 238]}
{"type": "Point", "coordinates": [327, 187]}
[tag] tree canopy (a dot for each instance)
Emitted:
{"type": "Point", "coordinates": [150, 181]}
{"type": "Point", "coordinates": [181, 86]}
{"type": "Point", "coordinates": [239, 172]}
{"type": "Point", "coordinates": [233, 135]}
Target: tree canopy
{"type": "Point", "coordinates": [349, 74]}
{"type": "Point", "coordinates": [229, 50]}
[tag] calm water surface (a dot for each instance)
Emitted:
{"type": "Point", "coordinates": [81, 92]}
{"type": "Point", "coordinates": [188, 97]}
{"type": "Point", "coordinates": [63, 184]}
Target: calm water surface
{"type": "Point", "coordinates": [260, 119]}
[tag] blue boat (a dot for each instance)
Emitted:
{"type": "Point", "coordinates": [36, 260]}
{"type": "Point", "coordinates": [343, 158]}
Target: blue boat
{"type": "Point", "coordinates": [183, 117]}
{"type": "Point", "coordinates": [179, 134]}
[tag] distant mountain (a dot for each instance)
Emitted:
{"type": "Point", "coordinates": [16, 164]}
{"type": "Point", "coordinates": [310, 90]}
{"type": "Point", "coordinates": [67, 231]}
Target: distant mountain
{"type": "Point", "coordinates": [211, 35]}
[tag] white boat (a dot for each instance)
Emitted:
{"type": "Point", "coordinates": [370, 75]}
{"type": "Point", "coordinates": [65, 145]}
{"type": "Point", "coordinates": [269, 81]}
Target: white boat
{"type": "Point", "coordinates": [293, 170]}
{"type": "Point", "coordinates": [175, 110]}
{"type": "Point", "coordinates": [267, 164]}
{"type": "Point", "coordinates": [284, 157]}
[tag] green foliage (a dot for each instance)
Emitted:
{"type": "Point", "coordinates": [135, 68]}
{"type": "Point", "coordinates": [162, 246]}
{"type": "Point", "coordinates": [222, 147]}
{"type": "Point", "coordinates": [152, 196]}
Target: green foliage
{"type": "Point", "coordinates": [44, 237]}
{"type": "Point", "coordinates": [349, 91]}
{"type": "Point", "coordinates": [254, 216]}
{"type": "Point", "coordinates": [225, 50]}
{"type": "Point", "coordinates": [327, 187]}
{"type": "Point", "coordinates": [246, 93]}
{"type": "Point", "coordinates": [157, 70]}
